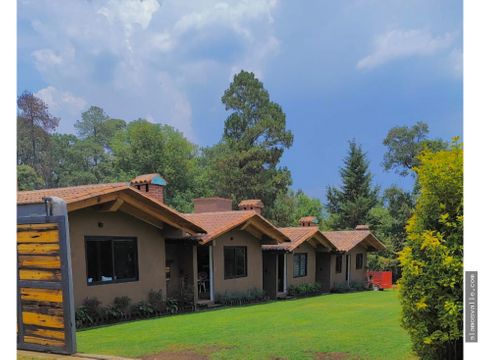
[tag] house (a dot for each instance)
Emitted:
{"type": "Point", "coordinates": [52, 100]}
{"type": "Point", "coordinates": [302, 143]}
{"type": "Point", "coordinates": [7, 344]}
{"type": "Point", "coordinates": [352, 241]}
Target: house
{"type": "Point", "coordinates": [323, 257]}
{"type": "Point", "coordinates": [302, 260]}
{"type": "Point", "coordinates": [229, 255]}
{"type": "Point", "coordinates": [117, 236]}
{"type": "Point", "coordinates": [125, 241]}
{"type": "Point", "coordinates": [348, 264]}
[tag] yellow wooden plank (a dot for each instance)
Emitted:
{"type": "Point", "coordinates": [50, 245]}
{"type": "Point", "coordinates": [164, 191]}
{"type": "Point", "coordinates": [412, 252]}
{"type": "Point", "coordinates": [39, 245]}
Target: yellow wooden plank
{"type": "Point", "coordinates": [42, 262]}
{"type": "Point", "coordinates": [50, 236]}
{"type": "Point", "coordinates": [41, 294]}
{"type": "Point", "coordinates": [43, 226]}
{"type": "Point", "coordinates": [43, 341]}
{"type": "Point", "coordinates": [38, 248]}
{"type": "Point", "coordinates": [40, 275]}
{"type": "Point", "coordinates": [31, 318]}
{"type": "Point", "coordinates": [54, 334]}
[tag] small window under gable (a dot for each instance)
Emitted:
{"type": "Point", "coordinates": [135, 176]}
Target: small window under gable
{"type": "Point", "coordinates": [299, 264]}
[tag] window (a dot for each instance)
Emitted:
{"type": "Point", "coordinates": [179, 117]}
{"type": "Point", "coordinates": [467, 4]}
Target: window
{"type": "Point", "coordinates": [338, 264]}
{"type": "Point", "coordinates": [359, 261]}
{"type": "Point", "coordinates": [111, 259]}
{"type": "Point", "coordinates": [299, 265]}
{"type": "Point", "coordinates": [235, 258]}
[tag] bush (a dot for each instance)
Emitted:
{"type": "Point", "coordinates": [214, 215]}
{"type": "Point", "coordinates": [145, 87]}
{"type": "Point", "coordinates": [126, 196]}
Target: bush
{"type": "Point", "coordinates": [304, 289]}
{"type": "Point", "coordinates": [241, 297]}
{"type": "Point", "coordinates": [92, 307]}
{"type": "Point", "coordinates": [172, 306]}
{"type": "Point", "coordinates": [155, 299]}
{"type": "Point", "coordinates": [431, 287]}
{"type": "Point", "coordinates": [82, 317]}
{"type": "Point", "coordinates": [142, 309]}
{"type": "Point", "coordinates": [354, 286]}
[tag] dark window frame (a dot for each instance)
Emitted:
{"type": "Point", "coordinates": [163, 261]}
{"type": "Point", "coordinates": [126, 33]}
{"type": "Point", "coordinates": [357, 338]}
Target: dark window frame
{"type": "Point", "coordinates": [357, 267]}
{"type": "Point", "coordinates": [295, 255]}
{"type": "Point", "coordinates": [235, 276]}
{"type": "Point", "coordinates": [337, 262]}
{"type": "Point", "coordinates": [112, 239]}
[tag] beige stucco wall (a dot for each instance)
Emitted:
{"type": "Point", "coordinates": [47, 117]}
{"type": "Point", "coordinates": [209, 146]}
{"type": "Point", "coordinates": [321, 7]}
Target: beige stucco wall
{"type": "Point", "coordinates": [151, 255]}
{"type": "Point", "coordinates": [254, 276]}
{"type": "Point", "coordinates": [311, 259]}
{"type": "Point", "coordinates": [359, 275]}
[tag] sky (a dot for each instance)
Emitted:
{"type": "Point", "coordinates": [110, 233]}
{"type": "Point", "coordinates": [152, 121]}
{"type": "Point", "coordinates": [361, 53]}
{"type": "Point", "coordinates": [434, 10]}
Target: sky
{"type": "Point", "coordinates": [341, 70]}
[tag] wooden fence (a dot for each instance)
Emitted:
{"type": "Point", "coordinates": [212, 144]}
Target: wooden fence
{"type": "Point", "coordinates": [45, 313]}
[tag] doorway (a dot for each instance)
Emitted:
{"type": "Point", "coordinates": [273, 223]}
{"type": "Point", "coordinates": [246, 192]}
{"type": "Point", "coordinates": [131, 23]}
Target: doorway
{"type": "Point", "coordinates": [347, 269]}
{"type": "Point", "coordinates": [204, 268]}
{"type": "Point", "coordinates": [282, 278]}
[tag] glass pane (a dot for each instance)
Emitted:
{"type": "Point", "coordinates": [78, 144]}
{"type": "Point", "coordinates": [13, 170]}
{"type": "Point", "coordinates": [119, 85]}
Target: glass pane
{"type": "Point", "coordinates": [99, 261]}
{"type": "Point", "coordinates": [229, 261]}
{"type": "Point", "coordinates": [303, 265]}
{"type": "Point", "coordinates": [125, 259]}
{"type": "Point", "coordinates": [296, 265]}
{"type": "Point", "coordinates": [240, 262]}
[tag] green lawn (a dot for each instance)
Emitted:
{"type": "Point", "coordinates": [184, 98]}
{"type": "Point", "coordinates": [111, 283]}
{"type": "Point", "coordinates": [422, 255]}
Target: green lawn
{"type": "Point", "coordinates": [363, 325]}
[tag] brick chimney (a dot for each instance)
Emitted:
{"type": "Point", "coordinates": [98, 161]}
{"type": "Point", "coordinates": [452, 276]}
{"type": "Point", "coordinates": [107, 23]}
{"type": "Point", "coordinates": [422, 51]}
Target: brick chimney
{"type": "Point", "coordinates": [151, 185]}
{"type": "Point", "coordinates": [362, 227]}
{"type": "Point", "coordinates": [211, 204]}
{"type": "Point", "coordinates": [251, 204]}
{"type": "Point", "coordinates": [308, 221]}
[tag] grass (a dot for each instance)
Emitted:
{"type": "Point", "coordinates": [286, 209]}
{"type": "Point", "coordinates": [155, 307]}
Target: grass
{"type": "Point", "coordinates": [366, 325]}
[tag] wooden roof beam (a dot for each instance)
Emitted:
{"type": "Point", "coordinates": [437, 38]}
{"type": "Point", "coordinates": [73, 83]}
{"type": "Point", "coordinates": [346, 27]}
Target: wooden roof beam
{"type": "Point", "coordinates": [112, 206]}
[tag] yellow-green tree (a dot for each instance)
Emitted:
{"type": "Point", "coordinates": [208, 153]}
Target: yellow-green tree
{"type": "Point", "coordinates": [432, 259]}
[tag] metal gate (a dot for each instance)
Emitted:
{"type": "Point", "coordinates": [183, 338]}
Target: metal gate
{"type": "Point", "coordinates": [45, 312]}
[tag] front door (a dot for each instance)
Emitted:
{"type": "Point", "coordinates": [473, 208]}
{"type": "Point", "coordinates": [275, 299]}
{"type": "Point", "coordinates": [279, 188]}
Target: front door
{"type": "Point", "coordinates": [270, 277]}
{"type": "Point", "coordinates": [347, 269]}
{"type": "Point", "coordinates": [281, 278]}
{"type": "Point", "coordinates": [204, 271]}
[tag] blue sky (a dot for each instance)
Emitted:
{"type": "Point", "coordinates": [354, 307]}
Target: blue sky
{"type": "Point", "coordinates": [339, 69]}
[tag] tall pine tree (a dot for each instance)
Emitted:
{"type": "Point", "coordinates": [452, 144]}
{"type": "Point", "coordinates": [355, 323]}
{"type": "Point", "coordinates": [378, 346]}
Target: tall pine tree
{"type": "Point", "coordinates": [245, 164]}
{"type": "Point", "coordinates": [350, 204]}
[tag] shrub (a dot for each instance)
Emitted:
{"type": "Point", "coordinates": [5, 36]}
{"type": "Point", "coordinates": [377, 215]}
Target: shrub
{"type": "Point", "coordinates": [142, 308]}
{"type": "Point", "coordinates": [357, 286]}
{"type": "Point", "coordinates": [341, 288]}
{"type": "Point", "coordinates": [241, 297]}
{"type": "Point", "coordinates": [155, 299]}
{"type": "Point", "coordinates": [172, 306]}
{"type": "Point", "coordinates": [92, 307]}
{"type": "Point", "coordinates": [82, 317]}
{"type": "Point", "coordinates": [304, 289]}
{"type": "Point", "coordinates": [431, 287]}
{"type": "Point", "coordinates": [122, 303]}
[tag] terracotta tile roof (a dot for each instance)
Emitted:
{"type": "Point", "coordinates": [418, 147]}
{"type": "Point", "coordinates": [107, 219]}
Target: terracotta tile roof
{"type": "Point", "coordinates": [297, 235]}
{"type": "Point", "coordinates": [69, 194]}
{"type": "Point", "coordinates": [76, 194]}
{"type": "Point", "coordinates": [220, 222]}
{"type": "Point", "coordinates": [345, 240]}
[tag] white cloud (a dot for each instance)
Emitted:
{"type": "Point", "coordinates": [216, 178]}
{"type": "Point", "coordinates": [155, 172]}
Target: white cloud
{"type": "Point", "coordinates": [136, 58]}
{"type": "Point", "coordinates": [62, 103]}
{"type": "Point", "coordinates": [130, 12]}
{"type": "Point", "coordinates": [398, 44]}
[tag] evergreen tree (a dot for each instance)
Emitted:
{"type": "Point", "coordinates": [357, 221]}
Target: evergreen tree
{"type": "Point", "coordinates": [245, 163]}
{"type": "Point", "coordinates": [350, 204]}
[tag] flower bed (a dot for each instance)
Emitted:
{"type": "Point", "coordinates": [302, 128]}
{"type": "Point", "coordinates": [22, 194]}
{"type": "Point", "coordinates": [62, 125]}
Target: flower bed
{"type": "Point", "coordinates": [91, 313]}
